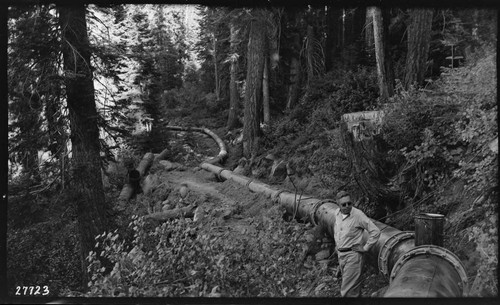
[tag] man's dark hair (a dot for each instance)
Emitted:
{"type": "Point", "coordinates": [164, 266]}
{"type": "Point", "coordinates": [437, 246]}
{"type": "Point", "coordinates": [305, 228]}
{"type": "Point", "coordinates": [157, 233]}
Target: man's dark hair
{"type": "Point", "coordinates": [342, 194]}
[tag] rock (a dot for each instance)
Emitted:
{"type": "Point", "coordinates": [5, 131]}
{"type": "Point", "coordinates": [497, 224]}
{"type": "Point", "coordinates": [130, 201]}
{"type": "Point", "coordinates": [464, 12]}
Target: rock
{"type": "Point", "coordinates": [327, 240]}
{"type": "Point", "coordinates": [167, 165]}
{"type": "Point", "coordinates": [199, 213]}
{"type": "Point", "coordinates": [324, 263]}
{"type": "Point", "coordinates": [149, 184]}
{"type": "Point", "coordinates": [309, 237]}
{"type": "Point", "coordinates": [322, 255]}
{"type": "Point", "coordinates": [166, 205]}
{"type": "Point", "coordinates": [278, 170]}
{"type": "Point", "coordinates": [494, 145]}
{"type": "Point", "coordinates": [242, 168]}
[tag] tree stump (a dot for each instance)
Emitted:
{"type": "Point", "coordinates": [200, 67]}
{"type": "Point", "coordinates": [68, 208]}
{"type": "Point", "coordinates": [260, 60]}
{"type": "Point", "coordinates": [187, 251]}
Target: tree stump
{"type": "Point", "coordinates": [367, 151]}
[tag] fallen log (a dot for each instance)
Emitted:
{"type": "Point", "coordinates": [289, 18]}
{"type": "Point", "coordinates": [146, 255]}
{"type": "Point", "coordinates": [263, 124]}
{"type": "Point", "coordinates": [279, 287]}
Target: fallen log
{"type": "Point", "coordinates": [161, 156]}
{"type": "Point", "coordinates": [144, 165]}
{"type": "Point", "coordinates": [187, 212]}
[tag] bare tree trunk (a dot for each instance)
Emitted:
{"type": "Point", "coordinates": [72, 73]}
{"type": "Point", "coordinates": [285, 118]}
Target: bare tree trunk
{"type": "Point", "coordinates": [384, 83]}
{"type": "Point", "coordinates": [295, 76]}
{"type": "Point", "coordinates": [354, 25]}
{"type": "Point", "coordinates": [234, 98]}
{"type": "Point", "coordinates": [388, 62]}
{"type": "Point", "coordinates": [369, 36]}
{"type": "Point", "coordinates": [334, 34]}
{"type": "Point", "coordinates": [86, 164]}
{"type": "Point", "coordinates": [265, 91]}
{"type": "Point", "coordinates": [295, 70]}
{"type": "Point", "coordinates": [419, 36]}
{"type": "Point", "coordinates": [310, 54]}
{"type": "Point", "coordinates": [253, 92]}
{"type": "Point", "coordinates": [216, 67]}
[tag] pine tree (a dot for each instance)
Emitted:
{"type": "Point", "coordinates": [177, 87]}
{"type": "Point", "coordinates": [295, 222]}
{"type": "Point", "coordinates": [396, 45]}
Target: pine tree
{"type": "Point", "coordinates": [234, 98]}
{"type": "Point", "coordinates": [385, 82]}
{"type": "Point", "coordinates": [36, 119]}
{"type": "Point", "coordinates": [419, 34]}
{"type": "Point", "coordinates": [85, 143]}
{"type": "Point", "coordinates": [253, 91]}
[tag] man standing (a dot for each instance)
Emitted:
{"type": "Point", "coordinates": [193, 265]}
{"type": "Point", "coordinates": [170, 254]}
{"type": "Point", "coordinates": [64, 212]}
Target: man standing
{"type": "Point", "coordinates": [350, 223]}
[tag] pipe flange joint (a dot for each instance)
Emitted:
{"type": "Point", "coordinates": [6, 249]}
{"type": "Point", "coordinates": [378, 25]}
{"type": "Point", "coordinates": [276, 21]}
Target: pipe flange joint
{"type": "Point", "coordinates": [441, 252]}
{"type": "Point", "coordinates": [317, 204]}
{"type": "Point", "coordinates": [219, 172]}
{"type": "Point", "coordinates": [248, 183]}
{"type": "Point", "coordinates": [276, 196]}
{"type": "Point", "coordinates": [387, 248]}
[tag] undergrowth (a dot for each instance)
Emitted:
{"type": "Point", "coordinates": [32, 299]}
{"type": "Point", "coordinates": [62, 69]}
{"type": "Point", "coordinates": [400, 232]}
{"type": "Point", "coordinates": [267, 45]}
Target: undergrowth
{"type": "Point", "coordinates": [179, 258]}
{"type": "Point", "coordinates": [444, 137]}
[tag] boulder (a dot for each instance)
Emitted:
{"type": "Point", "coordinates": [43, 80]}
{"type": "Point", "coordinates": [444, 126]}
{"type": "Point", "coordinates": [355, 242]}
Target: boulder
{"type": "Point", "coordinates": [149, 184]}
{"type": "Point", "coordinates": [199, 213]}
{"type": "Point", "coordinates": [278, 170]}
{"type": "Point", "coordinates": [323, 255]}
{"type": "Point", "coordinates": [168, 165]}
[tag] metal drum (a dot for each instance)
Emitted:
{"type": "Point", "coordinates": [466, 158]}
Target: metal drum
{"type": "Point", "coordinates": [429, 229]}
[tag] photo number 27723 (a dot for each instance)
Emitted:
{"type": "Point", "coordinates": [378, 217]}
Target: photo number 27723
{"type": "Point", "coordinates": [32, 290]}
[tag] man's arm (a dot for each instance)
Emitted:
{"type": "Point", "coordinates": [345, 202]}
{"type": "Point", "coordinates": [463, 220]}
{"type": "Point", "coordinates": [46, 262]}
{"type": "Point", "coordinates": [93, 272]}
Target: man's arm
{"type": "Point", "coordinates": [373, 232]}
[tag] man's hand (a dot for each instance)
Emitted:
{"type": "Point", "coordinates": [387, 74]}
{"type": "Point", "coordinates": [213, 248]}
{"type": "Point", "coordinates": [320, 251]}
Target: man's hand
{"type": "Point", "coordinates": [358, 248]}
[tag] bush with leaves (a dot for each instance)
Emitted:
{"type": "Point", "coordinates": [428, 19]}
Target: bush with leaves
{"type": "Point", "coordinates": [438, 133]}
{"type": "Point", "coordinates": [180, 258]}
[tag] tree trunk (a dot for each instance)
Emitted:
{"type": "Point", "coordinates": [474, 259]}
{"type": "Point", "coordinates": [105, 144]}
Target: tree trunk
{"type": "Point", "coordinates": [334, 34]}
{"type": "Point", "coordinates": [265, 91]}
{"type": "Point", "coordinates": [293, 89]}
{"type": "Point", "coordinates": [187, 212]}
{"type": "Point", "coordinates": [234, 97]}
{"type": "Point", "coordinates": [128, 189]}
{"type": "Point", "coordinates": [385, 85]}
{"type": "Point", "coordinates": [310, 54]}
{"type": "Point", "coordinates": [216, 67]}
{"type": "Point", "coordinates": [369, 36]}
{"type": "Point", "coordinates": [86, 164]}
{"type": "Point", "coordinates": [388, 62]}
{"type": "Point", "coordinates": [419, 36]}
{"type": "Point", "coordinates": [354, 25]}
{"type": "Point", "coordinates": [253, 91]}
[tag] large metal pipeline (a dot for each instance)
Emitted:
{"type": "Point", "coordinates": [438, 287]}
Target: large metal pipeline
{"type": "Point", "coordinates": [222, 147]}
{"type": "Point", "coordinates": [413, 271]}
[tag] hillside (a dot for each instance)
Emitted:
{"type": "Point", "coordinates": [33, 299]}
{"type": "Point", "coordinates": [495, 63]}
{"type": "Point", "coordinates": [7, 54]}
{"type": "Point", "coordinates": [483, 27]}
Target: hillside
{"type": "Point", "coordinates": [245, 230]}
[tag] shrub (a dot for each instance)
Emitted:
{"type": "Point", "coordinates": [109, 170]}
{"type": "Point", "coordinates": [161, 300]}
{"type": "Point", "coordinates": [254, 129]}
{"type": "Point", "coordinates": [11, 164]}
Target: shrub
{"type": "Point", "coordinates": [444, 134]}
{"type": "Point", "coordinates": [178, 258]}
